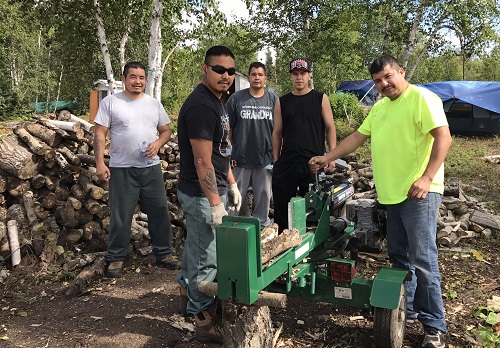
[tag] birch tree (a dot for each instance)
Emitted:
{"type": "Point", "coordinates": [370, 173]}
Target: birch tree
{"type": "Point", "coordinates": [101, 34]}
{"type": "Point", "coordinates": [155, 50]}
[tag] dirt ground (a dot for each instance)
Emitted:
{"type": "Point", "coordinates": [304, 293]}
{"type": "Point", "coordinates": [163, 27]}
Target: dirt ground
{"type": "Point", "coordinates": [138, 309]}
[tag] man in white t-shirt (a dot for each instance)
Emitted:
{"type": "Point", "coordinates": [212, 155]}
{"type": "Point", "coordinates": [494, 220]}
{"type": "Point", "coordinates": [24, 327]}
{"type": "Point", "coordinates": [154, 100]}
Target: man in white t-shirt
{"type": "Point", "coordinates": [138, 125]}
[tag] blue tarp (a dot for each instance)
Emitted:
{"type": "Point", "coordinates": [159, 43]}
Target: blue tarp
{"type": "Point", "coordinates": [482, 94]}
{"type": "Point", "coordinates": [360, 88]}
{"type": "Point", "coordinates": [472, 107]}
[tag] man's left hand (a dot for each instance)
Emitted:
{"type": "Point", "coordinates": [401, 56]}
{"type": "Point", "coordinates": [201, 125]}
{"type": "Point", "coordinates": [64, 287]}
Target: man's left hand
{"type": "Point", "coordinates": [234, 197]}
{"type": "Point", "coordinates": [420, 188]}
{"type": "Point", "coordinates": [152, 149]}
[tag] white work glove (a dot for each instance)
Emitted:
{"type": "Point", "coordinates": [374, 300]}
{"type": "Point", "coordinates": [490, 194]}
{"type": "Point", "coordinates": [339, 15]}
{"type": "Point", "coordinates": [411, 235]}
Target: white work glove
{"type": "Point", "coordinates": [218, 212]}
{"type": "Point", "coordinates": [233, 197]}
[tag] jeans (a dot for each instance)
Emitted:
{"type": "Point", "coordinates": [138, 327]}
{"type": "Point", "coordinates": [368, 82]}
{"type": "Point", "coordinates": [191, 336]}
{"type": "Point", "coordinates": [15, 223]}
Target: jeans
{"type": "Point", "coordinates": [199, 259]}
{"type": "Point", "coordinates": [411, 244]}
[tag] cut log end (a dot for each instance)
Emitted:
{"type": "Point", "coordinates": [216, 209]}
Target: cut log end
{"type": "Point", "coordinates": [265, 298]}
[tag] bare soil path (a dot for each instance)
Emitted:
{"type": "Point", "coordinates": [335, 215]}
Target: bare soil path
{"type": "Point", "coordinates": [137, 310]}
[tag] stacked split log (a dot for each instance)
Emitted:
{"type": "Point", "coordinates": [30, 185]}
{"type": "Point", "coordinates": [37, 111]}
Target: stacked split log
{"type": "Point", "coordinates": [460, 215]}
{"type": "Point", "coordinates": [49, 188]}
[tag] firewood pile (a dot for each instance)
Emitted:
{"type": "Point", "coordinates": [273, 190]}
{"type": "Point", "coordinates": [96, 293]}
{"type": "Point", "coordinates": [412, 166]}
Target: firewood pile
{"type": "Point", "coordinates": [52, 201]}
{"type": "Point", "coordinates": [460, 216]}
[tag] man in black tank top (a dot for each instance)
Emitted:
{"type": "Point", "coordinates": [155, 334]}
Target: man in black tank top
{"type": "Point", "coordinates": [301, 119]}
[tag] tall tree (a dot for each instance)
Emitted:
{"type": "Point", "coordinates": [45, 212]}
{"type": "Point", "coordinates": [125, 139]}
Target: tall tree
{"type": "Point", "coordinates": [328, 33]}
{"type": "Point", "coordinates": [19, 48]}
{"type": "Point", "coordinates": [429, 21]}
{"type": "Point", "coordinates": [476, 32]}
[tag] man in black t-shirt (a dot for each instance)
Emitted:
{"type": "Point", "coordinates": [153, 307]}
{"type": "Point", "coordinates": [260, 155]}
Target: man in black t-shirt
{"type": "Point", "coordinates": [301, 119]}
{"type": "Point", "coordinates": [204, 183]}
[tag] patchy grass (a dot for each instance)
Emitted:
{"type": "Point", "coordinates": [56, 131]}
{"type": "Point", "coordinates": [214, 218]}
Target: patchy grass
{"type": "Point", "coordinates": [465, 162]}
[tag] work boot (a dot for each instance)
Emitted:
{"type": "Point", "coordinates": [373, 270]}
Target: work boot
{"type": "Point", "coordinates": [114, 269]}
{"type": "Point", "coordinates": [183, 300]}
{"type": "Point", "coordinates": [208, 329]}
{"type": "Point", "coordinates": [170, 262]}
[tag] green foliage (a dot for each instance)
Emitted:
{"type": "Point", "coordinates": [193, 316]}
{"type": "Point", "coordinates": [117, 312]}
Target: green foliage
{"type": "Point", "coordinates": [488, 337]}
{"type": "Point", "coordinates": [346, 106]}
{"type": "Point", "coordinates": [18, 49]}
{"type": "Point", "coordinates": [343, 128]}
{"type": "Point", "coordinates": [41, 39]}
{"type": "Point", "coordinates": [243, 40]}
{"type": "Point", "coordinates": [451, 294]}
{"type": "Point", "coordinates": [183, 73]}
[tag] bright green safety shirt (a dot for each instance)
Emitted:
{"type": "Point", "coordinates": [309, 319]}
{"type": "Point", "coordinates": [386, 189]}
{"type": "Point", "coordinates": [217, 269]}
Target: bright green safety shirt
{"type": "Point", "coordinates": [401, 143]}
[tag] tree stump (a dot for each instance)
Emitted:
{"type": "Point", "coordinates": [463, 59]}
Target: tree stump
{"type": "Point", "coordinates": [247, 326]}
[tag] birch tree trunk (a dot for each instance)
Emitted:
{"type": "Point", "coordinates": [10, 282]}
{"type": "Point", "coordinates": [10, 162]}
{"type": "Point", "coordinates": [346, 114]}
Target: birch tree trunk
{"type": "Point", "coordinates": [154, 54]}
{"type": "Point", "coordinates": [159, 79]}
{"type": "Point", "coordinates": [123, 42]}
{"type": "Point", "coordinates": [412, 43]}
{"type": "Point", "coordinates": [48, 84]}
{"type": "Point", "coordinates": [59, 88]}
{"type": "Point", "coordinates": [101, 34]}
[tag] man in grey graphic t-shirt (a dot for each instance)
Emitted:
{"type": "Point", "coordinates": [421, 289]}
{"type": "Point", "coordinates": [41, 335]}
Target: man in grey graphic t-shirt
{"type": "Point", "coordinates": [251, 117]}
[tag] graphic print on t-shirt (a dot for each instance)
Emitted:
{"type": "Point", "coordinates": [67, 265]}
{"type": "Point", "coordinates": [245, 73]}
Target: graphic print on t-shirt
{"type": "Point", "coordinates": [225, 135]}
{"type": "Point", "coordinates": [257, 112]}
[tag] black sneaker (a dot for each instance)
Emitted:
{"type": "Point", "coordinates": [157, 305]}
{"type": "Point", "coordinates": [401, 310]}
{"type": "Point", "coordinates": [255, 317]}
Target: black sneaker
{"type": "Point", "coordinates": [433, 338]}
{"type": "Point", "coordinates": [170, 262]}
{"type": "Point", "coordinates": [114, 269]}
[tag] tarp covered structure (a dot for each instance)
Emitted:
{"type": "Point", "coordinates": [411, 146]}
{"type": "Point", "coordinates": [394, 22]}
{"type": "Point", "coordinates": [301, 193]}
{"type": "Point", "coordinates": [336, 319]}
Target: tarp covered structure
{"type": "Point", "coordinates": [483, 94]}
{"type": "Point", "coordinates": [364, 89]}
{"type": "Point", "coordinates": [472, 107]}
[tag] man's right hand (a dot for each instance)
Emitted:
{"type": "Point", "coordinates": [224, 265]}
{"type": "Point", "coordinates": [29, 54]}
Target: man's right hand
{"type": "Point", "coordinates": [218, 212]}
{"type": "Point", "coordinates": [317, 162]}
{"type": "Point", "coordinates": [102, 172]}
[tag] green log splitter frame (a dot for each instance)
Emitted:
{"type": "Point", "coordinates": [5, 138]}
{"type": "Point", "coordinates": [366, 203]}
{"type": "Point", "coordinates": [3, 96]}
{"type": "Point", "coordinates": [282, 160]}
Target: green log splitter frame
{"type": "Point", "coordinates": [309, 271]}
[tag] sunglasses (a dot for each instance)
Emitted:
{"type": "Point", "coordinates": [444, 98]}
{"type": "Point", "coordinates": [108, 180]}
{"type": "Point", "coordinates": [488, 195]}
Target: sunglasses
{"type": "Point", "coordinates": [219, 69]}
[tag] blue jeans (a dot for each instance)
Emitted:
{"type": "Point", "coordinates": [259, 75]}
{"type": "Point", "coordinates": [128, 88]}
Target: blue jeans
{"type": "Point", "coordinates": [411, 244]}
{"type": "Point", "coordinates": [199, 259]}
